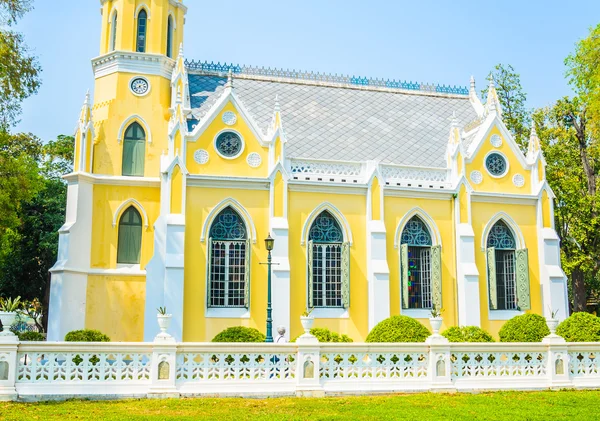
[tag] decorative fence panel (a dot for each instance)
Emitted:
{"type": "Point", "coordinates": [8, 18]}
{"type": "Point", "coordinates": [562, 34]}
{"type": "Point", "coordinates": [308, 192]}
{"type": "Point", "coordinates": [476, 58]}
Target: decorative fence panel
{"type": "Point", "coordinates": [47, 370]}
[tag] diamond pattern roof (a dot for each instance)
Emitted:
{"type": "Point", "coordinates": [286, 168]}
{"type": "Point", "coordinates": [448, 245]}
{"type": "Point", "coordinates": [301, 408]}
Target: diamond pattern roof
{"type": "Point", "coordinates": [345, 124]}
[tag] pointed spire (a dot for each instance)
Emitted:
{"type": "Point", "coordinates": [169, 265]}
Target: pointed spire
{"type": "Point", "coordinates": [86, 110]}
{"type": "Point", "coordinates": [277, 106]}
{"type": "Point", "coordinates": [472, 89]}
{"type": "Point", "coordinates": [229, 83]}
{"type": "Point", "coordinates": [454, 120]}
{"type": "Point", "coordinates": [492, 104]}
{"type": "Point", "coordinates": [534, 143]}
{"type": "Point", "coordinates": [454, 138]}
{"type": "Point", "coordinates": [181, 49]}
{"type": "Point", "coordinates": [178, 98]}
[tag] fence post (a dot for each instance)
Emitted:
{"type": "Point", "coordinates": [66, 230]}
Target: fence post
{"type": "Point", "coordinates": [308, 382]}
{"type": "Point", "coordinates": [9, 345]}
{"type": "Point", "coordinates": [164, 367]}
{"type": "Point", "coordinates": [558, 358]}
{"type": "Point", "coordinates": [440, 366]}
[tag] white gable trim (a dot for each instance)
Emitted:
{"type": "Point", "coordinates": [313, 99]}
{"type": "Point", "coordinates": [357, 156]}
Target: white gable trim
{"type": "Point", "coordinates": [433, 229]}
{"type": "Point", "coordinates": [138, 10]}
{"type": "Point", "coordinates": [130, 120]}
{"type": "Point", "coordinates": [126, 205]}
{"type": "Point", "coordinates": [336, 213]}
{"type": "Point", "coordinates": [250, 227]}
{"type": "Point", "coordinates": [514, 227]}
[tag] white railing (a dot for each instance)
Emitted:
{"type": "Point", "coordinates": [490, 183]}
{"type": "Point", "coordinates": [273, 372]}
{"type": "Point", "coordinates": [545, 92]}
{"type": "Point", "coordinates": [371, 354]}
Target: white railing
{"type": "Point", "coordinates": [47, 370]}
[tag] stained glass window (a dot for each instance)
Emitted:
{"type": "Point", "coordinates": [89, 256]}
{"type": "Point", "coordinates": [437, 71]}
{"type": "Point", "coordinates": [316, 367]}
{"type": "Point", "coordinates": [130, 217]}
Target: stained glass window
{"type": "Point", "coordinates": [134, 150]}
{"type": "Point", "coordinates": [502, 266]}
{"type": "Point", "coordinates": [326, 262]}
{"type": "Point", "coordinates": [229, 144]}
{"type": "Point", "coordinates": [495, 164]}
{"type": "Point", "coordinates": [417, 238]}
{"type": "Point", "coordinates": [228, 261]}
{"type": "Point", "coordinates": [142, 29]}
{"type": "Point", "coordinates": [130, 237]}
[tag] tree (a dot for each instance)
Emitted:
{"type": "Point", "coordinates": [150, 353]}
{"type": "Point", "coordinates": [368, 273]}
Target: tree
{"type": "Point", "coordinates": [19, 71]}
{"type": "Point", "coordinates": [512, 99]}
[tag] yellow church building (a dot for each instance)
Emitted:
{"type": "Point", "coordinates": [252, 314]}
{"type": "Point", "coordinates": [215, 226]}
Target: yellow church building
{"type": "Point", "coordinates": [383, 197]}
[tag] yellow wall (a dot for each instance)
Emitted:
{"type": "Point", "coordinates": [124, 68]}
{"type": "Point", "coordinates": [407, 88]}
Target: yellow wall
{"type": "Point", "coordinates": [505, 183]}
{"type": "Point", "coordinates": [525, 217]}
{"type": "Point", "coordinates": [546, 216]}
{"type": "Point", "coordinates": [375, 200]}
{"type": "Point", "coordinates": [107, 200]}
{"type": "Point", "coordinates": [218, 165]}
{"type": "Point", "coordinates": [278, 196]}
{"type": "Point", "coordinates": [353, 207]}
{"type": "Point", "coordinates": [176, 190]}
{"type": "Point", "coordinates": [196, 327]}
{"type": "Point", "coordinates": [115, 306]}
{"type": "Point", "coordinates": [440, 211]}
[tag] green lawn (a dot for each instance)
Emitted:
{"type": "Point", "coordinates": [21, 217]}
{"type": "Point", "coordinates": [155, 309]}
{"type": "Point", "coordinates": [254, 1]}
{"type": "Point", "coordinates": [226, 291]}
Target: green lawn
{"type": "Point", "coordinates": [546, 406]}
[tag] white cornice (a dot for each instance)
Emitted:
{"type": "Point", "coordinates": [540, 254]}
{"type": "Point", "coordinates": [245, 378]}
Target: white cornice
{"type": "Point", "coordinates": [173, 3]}
{"type": "Point", "coordinates": [113, 180]}
{"type": "Point", "coordinates": [129, 62]}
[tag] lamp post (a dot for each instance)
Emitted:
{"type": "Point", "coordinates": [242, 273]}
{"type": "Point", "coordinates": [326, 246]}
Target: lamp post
{"type": "Point", "coordinates": [269, 243]}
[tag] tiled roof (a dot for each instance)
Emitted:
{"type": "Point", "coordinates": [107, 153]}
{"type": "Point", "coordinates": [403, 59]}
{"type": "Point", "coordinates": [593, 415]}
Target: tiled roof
{"type": "Point", "coordinates": [345, 123]}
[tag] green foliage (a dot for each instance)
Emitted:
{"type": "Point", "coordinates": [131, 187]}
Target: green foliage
{"type": "Point", "coordinates": [524, 328]}
{"type": "Point", "coordinates": [326, 335]}
{"type": "Point", "coordinates": [467, 334]}
{"type": "Point", "coordinates": [86, 335]}
{"type": "Point", "coordinates": [512, 99]}
{"type": "Point", "coordinates": [240, 334]}
{"type": "Point", "coordinates": [580, 327]}
{"type": "Point", "coordinates": [398, 329]}
{"type": "Point", "coordinates": [31, 337]}
{"type": "Point", "coordinates": [10, 304]}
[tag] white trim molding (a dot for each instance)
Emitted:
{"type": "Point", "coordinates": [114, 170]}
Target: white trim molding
{"type": "Point", "coordinates": [326, 206]}
{"type": "Point", "coordinates": [134, 118]}
{"type": "Point", "coordinates": [125, 205]}
{"type": "Point", "coordinates": [130, 62]}
{"type": "Point", "coordinates": [514, 227]}
{"type": "Point", "coordinates": [238, 208]}
{"type": "Point", "coordinates": [433, 229]}
{"type": "Point", "coordinates": [139, 9]}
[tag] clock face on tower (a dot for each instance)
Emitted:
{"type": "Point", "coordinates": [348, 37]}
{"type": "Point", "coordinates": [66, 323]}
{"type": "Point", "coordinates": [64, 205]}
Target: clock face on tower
{"type": "Point", "coordinates": [139, 86]}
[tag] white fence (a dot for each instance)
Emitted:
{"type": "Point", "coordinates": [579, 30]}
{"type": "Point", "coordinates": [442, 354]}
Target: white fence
{"type": "Point", "coordinates": [46, 370]}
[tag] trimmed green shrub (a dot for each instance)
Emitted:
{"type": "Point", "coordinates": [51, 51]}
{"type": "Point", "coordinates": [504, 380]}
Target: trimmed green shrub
{"type": "Point", "coordinates": [86, 335]}
{"type": "Point", "coordinates": [31, 337]}
{"type": "Point", "coordinates": [580, 327]}
{"type": "Point", "coordinates": [467, 334]}
{"type": "Point", "coordinates": [325, 335]}
{"type": "Point", "coordinates": [524, 328]}
{"type": "Point", "coordinates": [240, 334]}
{"type": "Point", "coordinates": [398, 329]}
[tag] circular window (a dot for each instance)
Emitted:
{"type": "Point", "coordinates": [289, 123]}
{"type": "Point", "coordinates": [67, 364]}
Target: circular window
{"type": "Point", "coordinates": [139, 86]}
{"type": "Point", "coordinates": [496, 164]}
{"type": "Point", "coordinates": [229, 144]}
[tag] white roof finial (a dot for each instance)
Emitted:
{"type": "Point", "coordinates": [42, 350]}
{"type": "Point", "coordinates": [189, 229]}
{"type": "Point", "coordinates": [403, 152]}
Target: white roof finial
{"type": "Point", "coordinates": [277, 106]}
{"type": "Point", "coordinates": [178, 98]}
{"type": "Point", "coordinates": [229, 83]}
{"type": "Point", "coordinates": [472, 83]}
{"type": "Point", "coordinates": [181, 49]}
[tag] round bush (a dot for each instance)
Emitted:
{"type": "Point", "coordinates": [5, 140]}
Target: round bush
{"type": "Point", "coordinates": [240, 334]}
{"type": "Point", "coordinates": [325, 335]}
{"type": "Point", "coordinates": [398, 329]}
{"type": "Point", "coordinates": [580, 327]}
{"type": "Point", "coordinates": [467, 334]}
{"type": "Point", "coordinates": [524, 328]}
{"type": "Point", "coordinates": [86, 335]}
{"type": "Point", "coordinates": [31, 337]}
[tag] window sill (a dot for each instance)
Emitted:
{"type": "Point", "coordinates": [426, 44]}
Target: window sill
{"type": "Point", "coordinates": [227, 313]}
{"type": "Point", "coordinates": [415, 313]}
{"type": "Point", "coordinates": [330, 313]}
{"type": "Point", "coordinates": [504, 314]}
{"type": "Point", "coordinates": [128, 267]}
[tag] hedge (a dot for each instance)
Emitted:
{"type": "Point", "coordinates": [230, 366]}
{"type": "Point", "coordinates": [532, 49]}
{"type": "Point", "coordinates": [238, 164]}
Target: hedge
{"type": "Point", "coordinates": [240, 334]}
{"type": "Point", "coordinates": [398, 329]}
{"type": "Point", "coordinates": [524, 328]}
{"type": "Point", "coordinates": [31, 336]}
{"type": "Point", "coordinates": [467, 334]}
{"type": "Point", "coordinates": [86, 335]}
{"type": "Point", "coordinates": [580, 327]}
{"type": "Point", "coordinates": [325, 335]}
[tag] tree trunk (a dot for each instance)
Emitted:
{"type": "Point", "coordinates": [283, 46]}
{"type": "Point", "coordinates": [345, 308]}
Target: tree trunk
{"type": "Point", "coordinates": [46, 303]}
{"type": "Point", "coordinates": [579, 293]}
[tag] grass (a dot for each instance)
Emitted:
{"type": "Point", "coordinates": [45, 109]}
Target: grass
{"type": "Point", "coordinates": [547, 405]}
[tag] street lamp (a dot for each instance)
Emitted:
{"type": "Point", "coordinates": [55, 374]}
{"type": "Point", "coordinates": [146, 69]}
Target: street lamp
{"type": "Point", "coordinates": [269, 243]}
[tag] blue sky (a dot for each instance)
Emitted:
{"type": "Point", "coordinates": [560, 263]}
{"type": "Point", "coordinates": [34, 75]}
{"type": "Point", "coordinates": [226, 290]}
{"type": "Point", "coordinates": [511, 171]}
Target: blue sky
{"type": "Point", "coordinates": [425, 41]}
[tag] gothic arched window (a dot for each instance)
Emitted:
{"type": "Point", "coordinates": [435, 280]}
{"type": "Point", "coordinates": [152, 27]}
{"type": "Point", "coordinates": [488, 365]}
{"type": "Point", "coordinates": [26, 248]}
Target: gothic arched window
{"type": "Point", "coordinates": [170, 37]}
{"type": "Point", "coordinates": [508, 270]}
{"type": "Point", "coordinates": [113, 33]}
{"type": "Point", "coordinates": [328, 264]}
{"type": "Point", "coordinates": [142, 29]}
{"type": "Point", "coordinates": [134, 150]}
{"type": "Point", "coordinates": [130, 237]}
{"type": "Point", "coordinates": [420, 267]}
{"type": "Point", "coordinates": [228, 261]}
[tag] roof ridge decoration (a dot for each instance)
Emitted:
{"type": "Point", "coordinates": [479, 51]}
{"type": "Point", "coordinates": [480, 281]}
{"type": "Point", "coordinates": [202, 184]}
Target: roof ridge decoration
{"type": "Point", "coordinates": [225, 68]}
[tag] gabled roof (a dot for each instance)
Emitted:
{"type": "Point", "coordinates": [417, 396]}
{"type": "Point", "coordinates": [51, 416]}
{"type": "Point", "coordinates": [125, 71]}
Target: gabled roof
{"type": "Point", "coordinates": [333, 121]}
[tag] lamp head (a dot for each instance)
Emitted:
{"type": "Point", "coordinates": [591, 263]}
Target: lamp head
{"type": "Point", "coordinates": [269, 243]}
